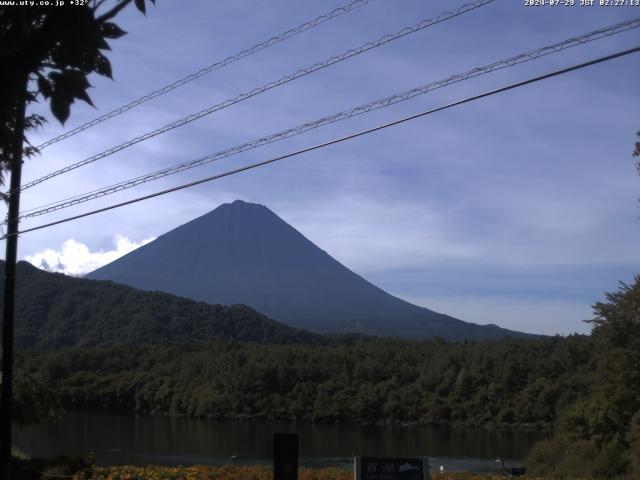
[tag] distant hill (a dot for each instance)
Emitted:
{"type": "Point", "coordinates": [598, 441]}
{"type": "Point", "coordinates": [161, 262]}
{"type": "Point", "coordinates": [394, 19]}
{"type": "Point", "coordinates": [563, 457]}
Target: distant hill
{"type": "Point", "coordinates": [56, 311]}
{"type": "Point", "coordinates": [242, 253]}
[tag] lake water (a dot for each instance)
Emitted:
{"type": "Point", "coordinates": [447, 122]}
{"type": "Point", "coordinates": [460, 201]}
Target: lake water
{"type": "Point", "coordinates": [140, 440]}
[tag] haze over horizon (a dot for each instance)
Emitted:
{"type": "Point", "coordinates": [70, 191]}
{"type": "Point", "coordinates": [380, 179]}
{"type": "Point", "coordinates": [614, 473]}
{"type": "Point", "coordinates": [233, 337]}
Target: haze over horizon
{"type": "Point", "coordinates": [520, 210]}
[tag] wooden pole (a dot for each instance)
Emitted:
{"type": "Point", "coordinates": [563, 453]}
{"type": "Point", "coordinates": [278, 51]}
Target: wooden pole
{"type": "Point", "coordinates": [6, 412]}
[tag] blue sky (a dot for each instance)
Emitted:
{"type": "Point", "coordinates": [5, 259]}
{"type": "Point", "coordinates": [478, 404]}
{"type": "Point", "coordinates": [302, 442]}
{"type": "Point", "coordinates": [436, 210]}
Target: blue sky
{"type": "Point", "coordinates": [520, 209]}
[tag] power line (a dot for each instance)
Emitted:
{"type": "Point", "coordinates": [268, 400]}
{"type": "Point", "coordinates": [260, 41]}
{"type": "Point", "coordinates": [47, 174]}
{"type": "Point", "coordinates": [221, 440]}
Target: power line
{"type": "Point", "coordinates": [268, 86]}
{"type": "Point", "coordinates": [377, 104]}
{"type": "Point", "coordinates": [206, 70]}
{"type": "Point", "coordinates": [335, 141]}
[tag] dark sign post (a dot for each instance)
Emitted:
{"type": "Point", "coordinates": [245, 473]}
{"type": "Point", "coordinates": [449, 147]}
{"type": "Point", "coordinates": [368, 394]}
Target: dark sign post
{"type": "Point", "coordinates": [380, 468]}
{"type": "Point", "coordinates": [285, 456]}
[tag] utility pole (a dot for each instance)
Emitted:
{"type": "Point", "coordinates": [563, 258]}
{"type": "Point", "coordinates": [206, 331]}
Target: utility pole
{"type": "Point", "coordinates": [15, 162]}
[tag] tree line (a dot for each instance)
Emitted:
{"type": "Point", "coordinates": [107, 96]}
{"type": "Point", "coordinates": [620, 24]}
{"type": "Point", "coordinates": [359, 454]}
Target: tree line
{"type": "Point", "coordinates": [506, 383]}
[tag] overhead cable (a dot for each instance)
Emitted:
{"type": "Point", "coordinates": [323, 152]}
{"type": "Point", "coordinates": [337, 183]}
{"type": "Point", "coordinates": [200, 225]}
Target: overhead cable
{"type": "Point", "coordinates": [268, 86]}
{"type": "Point", "coordinates": [334, 141]}
{"type": "Point", "coordinates": [206, 70]}
{"type": "Point", "coordinates": [327, 120]}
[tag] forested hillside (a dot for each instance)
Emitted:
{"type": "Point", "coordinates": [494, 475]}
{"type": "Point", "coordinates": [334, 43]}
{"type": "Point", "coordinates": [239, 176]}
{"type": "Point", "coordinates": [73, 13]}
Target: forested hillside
{"type": "Point", "coordinates": [502, 383]}
{"type": "Point", "coordinates": [57, 311]}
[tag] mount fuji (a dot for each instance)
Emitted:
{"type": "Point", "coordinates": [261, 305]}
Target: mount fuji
{"type": "Point", "coordinates": [243, 253]}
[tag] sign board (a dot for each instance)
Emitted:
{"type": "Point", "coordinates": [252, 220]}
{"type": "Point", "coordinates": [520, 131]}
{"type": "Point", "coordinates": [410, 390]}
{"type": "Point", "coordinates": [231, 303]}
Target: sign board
{"type": "Point", "coordinates": [381, 468]}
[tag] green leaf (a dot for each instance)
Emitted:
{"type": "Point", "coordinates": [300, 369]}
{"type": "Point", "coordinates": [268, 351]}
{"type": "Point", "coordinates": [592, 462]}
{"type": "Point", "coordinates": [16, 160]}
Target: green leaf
{"type": "Point", "coordinates": [60, 108]}
{"type": "Point", "coordinates": [141, 6]}
{"type": "Point", "coordinates": [102, 66]}
{"type": "Point", "coordinates": [84, 96]}
{"type": "Point", "coordinates": [44, 86]}
{"type": "Point", "coordinates": [76, 84]}
{"type": "Point", "coordinates": [34, 121]}
{"type": "Point", "coordinates": [102, 44]}
{"type": "Point", "coordinates": [111, 30]}
{"type": "Point", "coordinates": [67, 86]}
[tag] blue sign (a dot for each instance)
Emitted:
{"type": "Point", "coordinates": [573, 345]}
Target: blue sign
{"type": "Point", "coordinates": [380, 468]}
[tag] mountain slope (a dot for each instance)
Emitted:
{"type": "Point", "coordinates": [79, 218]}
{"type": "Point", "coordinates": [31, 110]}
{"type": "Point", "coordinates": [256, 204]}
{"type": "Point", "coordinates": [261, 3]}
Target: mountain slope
{"type": "Point", "coordinates": [56, 311]}
{"type": "Point", "coordinates": [244, 253]}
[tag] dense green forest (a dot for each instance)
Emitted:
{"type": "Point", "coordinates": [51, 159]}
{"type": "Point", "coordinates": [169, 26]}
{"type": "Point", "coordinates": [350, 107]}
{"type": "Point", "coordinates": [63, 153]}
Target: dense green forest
{"type": "Point", "coordinates": [57, 311]}
{"type": "Point", "coordinates": [502, 383]}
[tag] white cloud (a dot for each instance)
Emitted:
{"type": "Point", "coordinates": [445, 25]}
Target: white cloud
{"type": "Point", "coordinates": [75, 258]}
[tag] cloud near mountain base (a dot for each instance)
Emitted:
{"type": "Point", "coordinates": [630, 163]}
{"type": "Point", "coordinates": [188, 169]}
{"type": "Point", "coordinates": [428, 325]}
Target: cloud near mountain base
{"type": "Point", "coordinates": [76, 259]}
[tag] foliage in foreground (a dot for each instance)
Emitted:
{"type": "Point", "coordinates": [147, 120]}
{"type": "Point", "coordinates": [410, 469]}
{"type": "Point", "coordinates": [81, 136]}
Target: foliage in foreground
{"type": "Point", "coordinates": [78, 469]}
{"type": "Point", "coordinates": [38, 468]}
{"type": "Point", "coordinates": [50, 52]}
{"type": "Point", "coordinates": [599, 435]}
{"type": "Point", "coordinates": [257, 472]}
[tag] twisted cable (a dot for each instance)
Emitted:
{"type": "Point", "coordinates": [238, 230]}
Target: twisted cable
{"type": "Point", "coordinates": [206, 70]}
{"type": "Point", "coordinates": [268, 86]}
{"type": "Point", "coordinates": [297, 130]}
{"type": "Point", "coordinates": [334, 141]}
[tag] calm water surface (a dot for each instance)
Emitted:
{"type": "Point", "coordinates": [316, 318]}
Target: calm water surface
{"type": "Point", "coordinates": [140, 440]}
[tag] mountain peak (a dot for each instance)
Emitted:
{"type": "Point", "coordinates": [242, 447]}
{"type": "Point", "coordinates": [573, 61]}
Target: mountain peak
{"type": "Point", "coordinates": [239, 204]}
{"type": "Point", "coordinates": [239, 207]}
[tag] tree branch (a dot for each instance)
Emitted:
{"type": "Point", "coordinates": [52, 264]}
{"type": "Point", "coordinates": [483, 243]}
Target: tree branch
{"type": "Point", "coordinates": [114, 11]}
{"type": "Point", "coordinates": [97, 4]}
